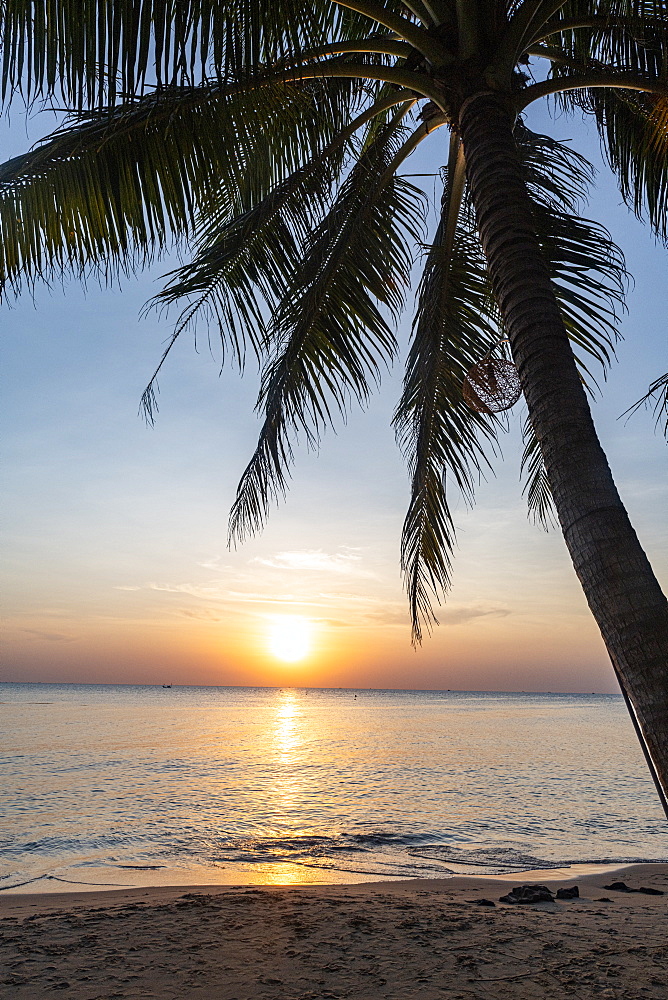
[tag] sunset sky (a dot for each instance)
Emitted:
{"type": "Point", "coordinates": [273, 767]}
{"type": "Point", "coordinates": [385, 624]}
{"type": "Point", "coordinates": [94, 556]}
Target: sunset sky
{"type": "Point", "coordinates": [116, 566]}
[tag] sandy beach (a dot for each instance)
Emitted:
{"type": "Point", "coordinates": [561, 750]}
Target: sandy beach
{"type": "Point", "coordinates": [372, 941]}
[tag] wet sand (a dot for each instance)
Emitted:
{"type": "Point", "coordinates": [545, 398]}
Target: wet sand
{"type": "Point", "coordinates": [372, 941]}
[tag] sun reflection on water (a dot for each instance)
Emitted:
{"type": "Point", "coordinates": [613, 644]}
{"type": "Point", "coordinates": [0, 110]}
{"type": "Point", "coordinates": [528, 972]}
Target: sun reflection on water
{"type": "Point", "coordinates": [288, 732]}
{"type": "Point", "coordinates": [288, 786]}
{"type": "Point", "coordinates": [287, 873]}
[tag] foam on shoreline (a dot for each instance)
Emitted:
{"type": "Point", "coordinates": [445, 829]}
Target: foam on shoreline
{"type": "Point", "coordinates": [54, 894]}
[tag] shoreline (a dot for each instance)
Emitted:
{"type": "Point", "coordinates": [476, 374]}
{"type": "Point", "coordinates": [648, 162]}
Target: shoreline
{"type": "Point", "coordinates": [428, 939]}
{"type": "Point", "coordinates": [98, 881]}
{"type": "Point", "coordinates": [26, 902]}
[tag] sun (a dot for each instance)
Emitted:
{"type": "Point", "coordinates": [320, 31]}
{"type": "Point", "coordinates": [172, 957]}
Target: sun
{"type": "Point", "coordinates": [290, 638]}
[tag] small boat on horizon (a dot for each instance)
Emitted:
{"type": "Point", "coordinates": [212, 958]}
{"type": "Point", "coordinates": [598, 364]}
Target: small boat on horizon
{"type": "Point", "coordinates": [166, 685]}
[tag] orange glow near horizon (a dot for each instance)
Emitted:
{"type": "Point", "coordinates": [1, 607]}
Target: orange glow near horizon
{"type": "Point", "coordinates": [289, 638]}
{"type": "Point", "coordinates": [534, 654]}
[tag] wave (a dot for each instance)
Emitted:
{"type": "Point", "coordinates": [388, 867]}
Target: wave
{"type": "Point", "coordinates": [415, 856]}
{"type": "Point", "coordinates": [375, 853]}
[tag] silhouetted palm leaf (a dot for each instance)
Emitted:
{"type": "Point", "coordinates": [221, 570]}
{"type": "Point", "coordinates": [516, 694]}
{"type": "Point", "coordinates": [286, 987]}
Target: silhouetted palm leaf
{"type": "Point", "coordinates": [454, 324]}
{"type": "Point", "coordinates": [329, 334]}
{"type": "Point", "coordinates": [113, 189]}
{"type": "Point", "coordinates": [657, 394]}
{"type": "Point", "coordinates": [92, 51]}
{"type": "Point", "coordinates": [241, 267]}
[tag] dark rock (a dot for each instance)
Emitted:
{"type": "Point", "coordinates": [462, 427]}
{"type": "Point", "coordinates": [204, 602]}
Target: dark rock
{"type": "Point", "coordinates": [623, 887]}
{"type": "Point", "coordinates": [484, 902]}
{"type": "Point", "coordinates": [572, 893]}
{"type": "Point", "coordinates": [528, 894]}
{"type": "Point", "coordinates": [603, 899]}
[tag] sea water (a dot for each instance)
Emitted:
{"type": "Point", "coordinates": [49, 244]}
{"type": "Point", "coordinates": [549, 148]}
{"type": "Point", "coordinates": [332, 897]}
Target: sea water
{"type": "Point", "coordinates": [101, 782]}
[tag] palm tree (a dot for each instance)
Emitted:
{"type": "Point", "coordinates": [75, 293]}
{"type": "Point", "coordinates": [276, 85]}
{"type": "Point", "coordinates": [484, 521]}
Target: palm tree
{"type": "Point", "coordinates": [269, 138]}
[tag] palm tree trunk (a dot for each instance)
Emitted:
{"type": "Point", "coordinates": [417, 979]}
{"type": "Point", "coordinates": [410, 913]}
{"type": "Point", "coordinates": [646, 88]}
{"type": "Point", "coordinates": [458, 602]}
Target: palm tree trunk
{"type": "Point", "coordinates": [621, 589]}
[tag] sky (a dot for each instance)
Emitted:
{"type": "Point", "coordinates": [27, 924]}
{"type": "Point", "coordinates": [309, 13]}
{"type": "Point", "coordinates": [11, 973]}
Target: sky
{"type": "Point", "coordinates": [116, 567]}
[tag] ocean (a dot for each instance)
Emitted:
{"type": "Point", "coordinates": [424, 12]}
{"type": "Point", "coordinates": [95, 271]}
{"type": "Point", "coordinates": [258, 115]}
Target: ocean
{"type": "Point", "coordinates": [119, 784]}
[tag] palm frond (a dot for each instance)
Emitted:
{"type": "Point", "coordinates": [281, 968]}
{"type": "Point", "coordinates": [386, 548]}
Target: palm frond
{"type": "Point", "coordinates": [454, 323]}
{"type": "Point", "coordinates": [657, 396]}
{"type": "Point", "coordinates": [241, 266]}
{"type": "Point", "coordinates": [536, 487]}
{"type": "Point", "coordinates": [89, 52]}
{"type": "Point", "coordinates": [634, 133]}
{"type": "Point", "coordinates": [111, 190]}
{"type": "Point", "coordinates": [618, 33]}
{"type": "Point", "coordinates": [589, 276]}
{"type": "Point", "coordinates": [329, 336]}
{"type": "Point", "coordinates": [587, 269]}
{"type": "Point", "coordinates": [633, 126]}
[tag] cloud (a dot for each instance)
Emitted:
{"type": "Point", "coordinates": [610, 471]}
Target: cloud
{"type": "Point", "coordinates": [259, 598]}
{"type": "Point", "coordinates": [389, 616]}
{"type": "Point", "coordinates": [224, 597]}
{"type": "Point", "coordinates": [212, 593]}
{"type": "Point", "coordinates": [343, 597]}
{"type": "Point", "coordinates": [344, 563]}
{"type": "Point", "coordinates": [215, 563]}
{"type": "Point", "coordinates": [50, 636]}
{"type": "Point", "coordinates": [451, 614]}
{"type": "Point", "coordinates": [201, 614]}
{"type": "Point", "coordinates": [262, 587]}
{"type": "Point", "coordinates": [459, 614]}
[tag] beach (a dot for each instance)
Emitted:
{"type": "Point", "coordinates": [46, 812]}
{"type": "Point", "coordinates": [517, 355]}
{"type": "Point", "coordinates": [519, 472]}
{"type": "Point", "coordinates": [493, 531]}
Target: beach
{"type": "Point", "coordinates": [423, 938]}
